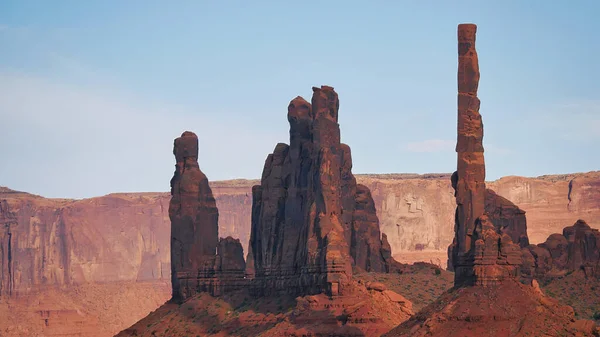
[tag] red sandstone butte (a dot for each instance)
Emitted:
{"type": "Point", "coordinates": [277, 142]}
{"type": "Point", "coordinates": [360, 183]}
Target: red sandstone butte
{"type": "Point", "coordinates": [311, 221]}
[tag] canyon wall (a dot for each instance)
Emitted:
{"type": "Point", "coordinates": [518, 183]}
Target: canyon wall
{"type": "Point", "coordinates": [416, 212]}
{"type": "Point", "coordinates": [55, 242]}
{"type": "Point", "coordinates": [109, 241]}
{"type": "Point", "coordinates": [75, 267]}
{"type": "Point", "coordinates": [124, 236]}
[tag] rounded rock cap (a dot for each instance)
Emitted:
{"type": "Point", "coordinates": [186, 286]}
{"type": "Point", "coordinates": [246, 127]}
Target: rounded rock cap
{"type": "Point", "coordinates": [467, 32]}
{"type": "Point", "coordinates": [185, 146]}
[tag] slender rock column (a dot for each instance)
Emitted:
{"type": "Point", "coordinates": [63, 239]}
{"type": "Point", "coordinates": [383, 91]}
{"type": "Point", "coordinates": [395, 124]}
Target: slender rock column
{"type": "Point", "coordinates": [469, 179]}
{"type": "Point", "coordinates": [481, 253]}
{"type": "Point", "coordinates": [194, 220]}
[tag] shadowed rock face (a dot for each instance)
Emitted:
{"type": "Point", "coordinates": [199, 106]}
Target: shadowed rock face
{"type": "Point", "coordinates": [366, 246]}
{"type": "Point", "coordinates": [193, 213]}
{"type": "Point", "coordinates": [310, 220]}
{"type": "Point", "coordinates": [482, 252]}
{"type": "Point", "coordinates": [8, 220]}
{"type": "Point", "coordinates": [506, 217]}
{"type": "Point", "coordinates": [578, 247]}
{"type": "Point", "coordinates": [200, 262]}
{"type": "Point", "coordinates": [230, 256]}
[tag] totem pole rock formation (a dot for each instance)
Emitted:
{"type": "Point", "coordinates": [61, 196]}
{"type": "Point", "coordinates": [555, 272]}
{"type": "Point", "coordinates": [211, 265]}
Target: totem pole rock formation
{"type": "Point", "coordinates": [311, 221]}
{"type": "Point", "coordinates": [481, 254]}
{"type": "Point", "coordinates": [197, 255]}
{"type": "Point", "coordinates": [487, 299]}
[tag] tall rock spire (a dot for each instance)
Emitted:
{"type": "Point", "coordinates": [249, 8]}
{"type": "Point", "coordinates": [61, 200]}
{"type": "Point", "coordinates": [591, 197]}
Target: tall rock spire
{"type": "Point", "coordinates": [194, 218]}
{"type": "Point", "coordinates": [481, 253]}
{"type": "Point", "coordinates": [470, 182]}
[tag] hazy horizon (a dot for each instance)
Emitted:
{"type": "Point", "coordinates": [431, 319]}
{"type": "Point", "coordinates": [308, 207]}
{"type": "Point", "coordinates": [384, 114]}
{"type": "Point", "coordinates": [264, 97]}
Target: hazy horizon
{"type": "Point", "coordinates": [258, 179]}
{"type": "Point", "coordinates": [93, 93]}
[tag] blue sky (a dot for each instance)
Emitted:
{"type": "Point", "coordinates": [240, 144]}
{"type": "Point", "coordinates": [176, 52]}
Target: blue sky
{"type": "Point", "coordinates": [94, 92]}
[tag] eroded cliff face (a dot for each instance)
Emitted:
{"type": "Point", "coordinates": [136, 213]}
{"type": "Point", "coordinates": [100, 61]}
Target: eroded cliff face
{"type": "Point", "coordinates": [124, 236]}
{"type": "Point", "coordinates": [75, 267]}
{"type": "Point", "coordinates": [553, 202]}
{"type": "Point", "coordinates": [55, 242]}
{"type": "Point", "coordinates": [416, 212]}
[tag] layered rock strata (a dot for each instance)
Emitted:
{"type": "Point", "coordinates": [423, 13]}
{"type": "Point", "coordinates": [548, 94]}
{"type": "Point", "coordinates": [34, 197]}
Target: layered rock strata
{"type": "Point", "coordinates": [126, 236]}
{"type": "Point", "coordinates": [415, 210]}
{"type": "Point", "coordinates": [480, 253]}
{"type": "Point", "coordinates": [311, 221]}
{"type": "Point", "coordinates": [199, 260]}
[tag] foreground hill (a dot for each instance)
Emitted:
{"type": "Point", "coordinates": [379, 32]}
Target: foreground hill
{"type": "Point", "coordinates": [509, 309]}
{"type": "Point", "coordinates": [240, 314]}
